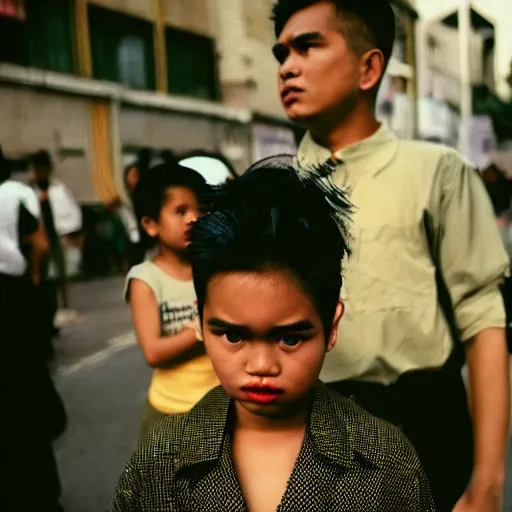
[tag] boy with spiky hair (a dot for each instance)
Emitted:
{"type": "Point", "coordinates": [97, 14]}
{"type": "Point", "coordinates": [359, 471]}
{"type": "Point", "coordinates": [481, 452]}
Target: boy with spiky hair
{"type": "Point", "coordinates": [267, 274]}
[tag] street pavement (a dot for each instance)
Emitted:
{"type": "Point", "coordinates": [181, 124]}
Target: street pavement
{"type": "Point", "coordinates": [103, 381]}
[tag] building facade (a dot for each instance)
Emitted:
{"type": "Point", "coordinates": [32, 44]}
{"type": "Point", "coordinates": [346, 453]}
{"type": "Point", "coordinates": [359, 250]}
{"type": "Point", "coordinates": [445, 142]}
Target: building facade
{"type": "Point", "coordinates": [93, 81]}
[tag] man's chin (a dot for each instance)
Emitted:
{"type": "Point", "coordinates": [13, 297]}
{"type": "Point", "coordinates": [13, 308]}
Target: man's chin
{"type": "Point", "coordinates": [300, 116]}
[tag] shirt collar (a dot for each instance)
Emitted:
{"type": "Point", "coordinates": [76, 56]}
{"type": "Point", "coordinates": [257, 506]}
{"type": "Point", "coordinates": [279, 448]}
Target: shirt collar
{"type": "Point", "coordinates": [332, 429]}
{"type": "Point", "coordinates": [374, 152]}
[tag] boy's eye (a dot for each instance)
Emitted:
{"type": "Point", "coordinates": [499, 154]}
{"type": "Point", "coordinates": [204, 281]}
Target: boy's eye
{"type": "Point", "coordinates": [233, 337]}
{"type": "Point", "coordinates": [291, 340]}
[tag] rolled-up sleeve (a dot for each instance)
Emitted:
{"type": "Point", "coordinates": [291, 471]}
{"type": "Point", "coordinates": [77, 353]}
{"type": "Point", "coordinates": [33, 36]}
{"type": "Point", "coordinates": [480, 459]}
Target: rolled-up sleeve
{"type": "Point", "coordinates": [472, 257]}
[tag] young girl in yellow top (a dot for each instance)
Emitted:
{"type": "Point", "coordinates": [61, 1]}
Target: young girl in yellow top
{"type": "Point", "coordinates": [161, 292]}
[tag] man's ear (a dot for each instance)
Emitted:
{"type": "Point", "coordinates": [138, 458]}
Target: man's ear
{"type": "Point", "coordinates": [340, 308]}
{"type": "Point", "coordinates": [372, 67]}
{"type": "Point", "coordinates": [149, 226]}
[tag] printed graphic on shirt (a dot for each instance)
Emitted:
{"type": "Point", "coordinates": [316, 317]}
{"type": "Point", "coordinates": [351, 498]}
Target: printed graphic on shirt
{"type": "Point", "coordinates": [174, 314]}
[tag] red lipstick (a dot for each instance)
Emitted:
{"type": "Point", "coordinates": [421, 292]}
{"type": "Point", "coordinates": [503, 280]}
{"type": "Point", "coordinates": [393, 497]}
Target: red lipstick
{"type": "Point", "coordinates": [262, 393]}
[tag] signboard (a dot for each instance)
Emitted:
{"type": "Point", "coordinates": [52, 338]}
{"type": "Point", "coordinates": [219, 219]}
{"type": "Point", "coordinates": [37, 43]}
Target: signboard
{"type": "Point", "coordinates": [482, 141]}
{"type": "Point", "coordinates": [13, 9]}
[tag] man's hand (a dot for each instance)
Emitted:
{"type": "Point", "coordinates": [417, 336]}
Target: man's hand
{"type": "Point", "coordinates": [481, 498]}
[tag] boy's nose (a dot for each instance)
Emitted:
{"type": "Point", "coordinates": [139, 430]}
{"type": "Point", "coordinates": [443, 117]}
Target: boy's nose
{"type": "Point", "coordinates": [261, 360]}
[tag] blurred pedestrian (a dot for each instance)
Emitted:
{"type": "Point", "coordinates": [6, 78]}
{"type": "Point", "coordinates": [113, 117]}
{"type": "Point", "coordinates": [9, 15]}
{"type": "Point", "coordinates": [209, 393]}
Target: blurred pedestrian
{"type": "Point", "coordinates": [32, 412]}
{"type": "Point", "coordinates": [422, 287]}
{"type": "Point", "coordinates": [168, 200]}
{"type": "Point", "coordinates": [129, 239]}
{"type": "Point", "coordinates": [62, 217]}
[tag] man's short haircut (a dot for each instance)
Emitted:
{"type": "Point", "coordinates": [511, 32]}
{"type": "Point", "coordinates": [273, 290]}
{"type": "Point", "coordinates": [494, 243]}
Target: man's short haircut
{"type": "Point", "coordinates": [270, 219]}
{"type": "Point", "coordinates": [151, 191]}
{"type": "Point", "coordinates": [365, 24]}
{"type": "Point", "coordinates": [42, 160]}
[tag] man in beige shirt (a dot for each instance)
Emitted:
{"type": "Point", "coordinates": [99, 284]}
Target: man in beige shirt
{"type": "Point", "coordinates": [422, 286]}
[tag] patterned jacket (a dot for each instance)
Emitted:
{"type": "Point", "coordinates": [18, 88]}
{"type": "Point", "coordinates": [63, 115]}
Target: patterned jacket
{"type": "Point", "coordinates": [349, 461]}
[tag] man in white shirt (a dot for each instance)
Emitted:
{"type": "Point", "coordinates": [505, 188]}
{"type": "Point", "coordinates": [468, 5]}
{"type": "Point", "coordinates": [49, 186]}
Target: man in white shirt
{"type": "Point", "coordinates": [33, 414]}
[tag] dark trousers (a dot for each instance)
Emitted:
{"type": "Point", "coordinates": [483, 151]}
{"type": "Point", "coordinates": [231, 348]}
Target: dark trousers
{"type": "Point", "coordinates": [31, 413]}
{"type": "Point", "coordinates": [431, 409]}
{"type": "Point", "coordinates": [49, 304]}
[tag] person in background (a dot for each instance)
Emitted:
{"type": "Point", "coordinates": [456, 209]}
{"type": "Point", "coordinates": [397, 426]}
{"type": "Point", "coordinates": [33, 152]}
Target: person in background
{"type": "Point", "coordinates": [62, 218]}
{"type": "Point", "coordinates": [422, 287]}
{"type": "Point", "coordinates": [267, 273]}
{"type": "Point", "coordinates": [32, 412]}
{"type": "Point", "coordinates": [131, 241]}
{"type": "Point", "coordinates": [168, 200]}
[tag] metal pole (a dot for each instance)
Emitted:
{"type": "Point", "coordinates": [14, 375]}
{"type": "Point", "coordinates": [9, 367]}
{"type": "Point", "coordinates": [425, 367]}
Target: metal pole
{"type": "Point", "coordinates": [466, 97]}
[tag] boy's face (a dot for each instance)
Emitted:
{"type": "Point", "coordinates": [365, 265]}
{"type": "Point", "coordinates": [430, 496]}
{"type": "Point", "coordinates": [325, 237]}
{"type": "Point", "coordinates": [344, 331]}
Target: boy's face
{"type": "Point", "coordinates": [179, 212]}
{"type": "Point", "coordinates": [265, 339]}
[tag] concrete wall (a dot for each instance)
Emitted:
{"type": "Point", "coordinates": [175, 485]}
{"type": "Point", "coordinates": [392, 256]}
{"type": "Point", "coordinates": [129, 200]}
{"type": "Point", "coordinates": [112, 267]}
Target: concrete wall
{"type": "Point", "coordinates": [193, 15]}
{"type": "Point", "coordinates": [498, 12]}
{"type": "Point", "coordinates": [181, 133]}
{"type": "Point", "coordinates": [439, 67]}
{"type": "Point", "coordinates": [141, 8]}
{"type": "Point", "coordinates": [247, 66]}
{"type": "Point", "coordinates": [35, 120]}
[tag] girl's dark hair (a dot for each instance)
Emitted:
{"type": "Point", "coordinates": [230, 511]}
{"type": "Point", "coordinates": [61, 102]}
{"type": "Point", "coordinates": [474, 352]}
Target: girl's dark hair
{"type": "Point", "coordinates": [270, 219]}
{"type": "Point", "coordinates": [150, 194]}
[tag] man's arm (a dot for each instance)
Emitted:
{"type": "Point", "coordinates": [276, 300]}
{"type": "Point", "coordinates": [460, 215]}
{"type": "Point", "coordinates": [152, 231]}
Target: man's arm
{"type": "Point", "coordinates": [489, 377]}
{"type": "Point", "coordinates": [33, 236]}
{"type": "Point", "coordinates": [473, 262]}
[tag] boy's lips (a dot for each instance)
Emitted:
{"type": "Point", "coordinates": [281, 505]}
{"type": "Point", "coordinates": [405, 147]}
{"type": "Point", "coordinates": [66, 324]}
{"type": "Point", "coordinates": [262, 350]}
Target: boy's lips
{"type": "Point", "coordinates": [262, 394]}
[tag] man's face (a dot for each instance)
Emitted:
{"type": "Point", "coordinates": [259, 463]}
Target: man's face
{"type": "Point", "coordinates": [41, 176]}
{"type": "Point", "coordinates": [319, 73]}
{"type": "Point", "coordinates": [265, 339]}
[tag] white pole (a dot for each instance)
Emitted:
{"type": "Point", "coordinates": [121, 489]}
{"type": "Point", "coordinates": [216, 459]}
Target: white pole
{"type": "Point", "coordinates": [466, 97]}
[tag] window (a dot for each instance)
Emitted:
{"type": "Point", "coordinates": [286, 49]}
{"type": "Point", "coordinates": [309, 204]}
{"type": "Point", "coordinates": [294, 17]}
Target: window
{"type": "Point", "coordinates": [50, 35]}
{"type": "Point", "coordinates": [122, 49]}
{"type": "Point", "coordinates": [44, 39]}
{"type": "Point", "coordinates": [191, 64]}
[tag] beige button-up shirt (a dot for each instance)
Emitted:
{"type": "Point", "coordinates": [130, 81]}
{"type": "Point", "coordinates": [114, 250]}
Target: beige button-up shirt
{"type": "Point", "coordinates": [393, 320]}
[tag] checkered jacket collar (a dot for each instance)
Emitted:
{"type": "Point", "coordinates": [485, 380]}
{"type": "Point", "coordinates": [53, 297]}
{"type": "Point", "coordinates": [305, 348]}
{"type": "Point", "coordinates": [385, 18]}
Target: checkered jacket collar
{"type": "Point", "coordinates": [334, 435]}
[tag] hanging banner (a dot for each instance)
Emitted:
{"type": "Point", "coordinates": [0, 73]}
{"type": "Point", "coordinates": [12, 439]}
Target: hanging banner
{"type": "Point", "coordinates": [482, 141]}
{"type": "Point", "coordinates": [13, 9]}
{"type": "Point", "coordinates": [268, 140]}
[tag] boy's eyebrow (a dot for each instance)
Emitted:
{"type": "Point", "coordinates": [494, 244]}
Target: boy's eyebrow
{"type": "Point", "coordinates": [301, 325]}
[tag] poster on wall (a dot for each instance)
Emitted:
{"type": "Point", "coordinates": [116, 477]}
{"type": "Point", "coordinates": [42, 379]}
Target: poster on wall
{"type": "Point", "coordinates": [482, 141]}
{"type": "Point", "coordinates": [268, 140]}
